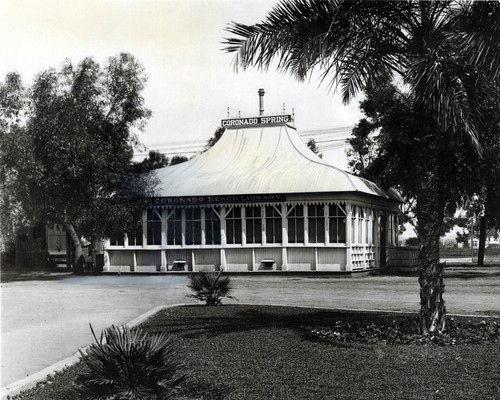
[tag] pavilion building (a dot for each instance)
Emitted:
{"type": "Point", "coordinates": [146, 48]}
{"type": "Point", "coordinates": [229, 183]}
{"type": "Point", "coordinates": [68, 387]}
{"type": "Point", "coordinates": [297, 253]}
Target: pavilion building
{"type": "Point", "coordinates": [260, 200]}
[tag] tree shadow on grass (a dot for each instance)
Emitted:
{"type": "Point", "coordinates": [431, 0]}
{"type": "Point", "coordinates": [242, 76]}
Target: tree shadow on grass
{"type": "Point", "coordinates": [200, 321]}
{"type": "Point", "coordinates": [471, 274]}
{"type": "Point", "coordinates": [34, 275]}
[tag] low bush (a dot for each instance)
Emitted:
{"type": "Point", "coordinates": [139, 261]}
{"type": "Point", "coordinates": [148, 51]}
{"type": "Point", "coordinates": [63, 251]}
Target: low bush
{"type": "Point", "coordinates": [129, 364]}
{"type": "Point", "coordinates": [403, 332]}
{"type": "Point", "coordinates": [210, 287]}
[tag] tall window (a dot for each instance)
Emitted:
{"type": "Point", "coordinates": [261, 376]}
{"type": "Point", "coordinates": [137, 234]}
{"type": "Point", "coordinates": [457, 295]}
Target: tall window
{"type": "Point", "coordinates": [233, 226]}
{"type": "Point", "coordinates": [154, 226]}
{"type": "Point", "coordinates": [254, 225]}
{"type": "Point", "coordinates": [316, 219]}
{"type": "Point", "coordinates": [135, 236]}
{"type": "Point", "coordinates": [337, 224]}
{"type": "Point", "coordinates": [367, 230]}
{"type": "Point", "coordinates": [361, 221]}
{"type": "Point", "coordinates": [193, 226]}
{"type": "Point", "coordinates": [117, 239]}
{"type": "Point", "coordinates": [174, 227]}
{"type": "Point", "coordinates": [273, 225]}
{"type": "Point", "coordinates": [296, 224]}
{"type": "Point", "coordinates": [212, 227]}
{"type": "Point", "coordinates": [354, 218]}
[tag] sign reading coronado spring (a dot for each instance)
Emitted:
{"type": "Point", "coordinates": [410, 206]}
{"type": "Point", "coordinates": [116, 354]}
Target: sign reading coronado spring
{"type": "Point", "coordinates": [268, 120]}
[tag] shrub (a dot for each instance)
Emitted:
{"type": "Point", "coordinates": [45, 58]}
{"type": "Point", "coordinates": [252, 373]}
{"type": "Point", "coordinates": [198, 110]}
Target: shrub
{"type": "Point", "coordinates": [412, 242]}
{"type": "Point", "coordinates": [403, 332]}
{"type": "Point", "coordinates": [210, 287]}
{"type": "Point", "coordinates": [129, 364]}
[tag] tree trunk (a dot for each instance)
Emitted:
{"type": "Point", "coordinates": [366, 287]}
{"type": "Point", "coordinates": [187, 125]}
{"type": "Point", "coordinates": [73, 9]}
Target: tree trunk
{"type": "Point", "coordinates": [430, 214]}
{"type": "Point", "coordinates": [482, 241]}
{"type": "Point", "coordinates": [78, 258]}
{"type": "Point", "coordinates": [92, 250]}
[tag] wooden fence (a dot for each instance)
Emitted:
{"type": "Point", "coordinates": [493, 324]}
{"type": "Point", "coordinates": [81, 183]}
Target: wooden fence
{"type": "Point", "coordinates": [404, 258]}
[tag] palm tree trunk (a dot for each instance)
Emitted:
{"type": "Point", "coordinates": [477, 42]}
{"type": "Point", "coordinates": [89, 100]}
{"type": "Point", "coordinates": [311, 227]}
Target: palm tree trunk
{"type": "Point", "coordinates": [430, 213]}
{"type": "Point", "coordinates": [78, 259]}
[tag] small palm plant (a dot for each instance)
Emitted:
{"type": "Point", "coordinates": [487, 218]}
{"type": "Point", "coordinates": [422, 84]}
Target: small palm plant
{"type": "Point", "coordinates": [129, 364]}
{"type": "Point", "coordinates": [210, 287]}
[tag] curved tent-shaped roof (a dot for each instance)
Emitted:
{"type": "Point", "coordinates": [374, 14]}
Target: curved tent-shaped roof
{"type": "Point", "coordinates": [260, 160]}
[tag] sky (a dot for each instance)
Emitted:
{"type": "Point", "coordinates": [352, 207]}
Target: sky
{"type": "Point", "coordinates": [191, 80]}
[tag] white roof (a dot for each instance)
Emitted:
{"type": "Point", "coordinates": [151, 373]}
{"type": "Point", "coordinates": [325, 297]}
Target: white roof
{"type": "Point", "coordinates": [260, 160]}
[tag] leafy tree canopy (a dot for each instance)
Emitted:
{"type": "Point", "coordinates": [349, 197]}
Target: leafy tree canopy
{"type": "Point", "coordinates": [154, 160]}
{"type": "Point", "coordinates": [64, 160]}
{"type": "Point", "coordinates": [314, 147]}
{"type": "Point", "coordinates": [215, 138]}
{"type": "Point", "coordinates": [177, 159]}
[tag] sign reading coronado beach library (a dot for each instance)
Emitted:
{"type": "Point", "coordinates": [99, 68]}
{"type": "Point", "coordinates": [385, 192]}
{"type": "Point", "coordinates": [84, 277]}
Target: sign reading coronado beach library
{"type": "Point", "coordinates": [200, 200]}
{"type": "Point", "coordinates": [267, 120]}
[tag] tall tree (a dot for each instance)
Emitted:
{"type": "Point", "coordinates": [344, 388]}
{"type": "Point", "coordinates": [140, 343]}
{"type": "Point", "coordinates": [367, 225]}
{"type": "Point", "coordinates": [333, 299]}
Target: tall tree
{"type": "Point", "coordinates": [435, 47]}
{"type": "Point", "coordinates": [215, 138]}
{"type": "Point", "coordinates": [12, 102]}
{"type": "Point", "coordinates": [178, 159]}
{"type": "Point", "coordinates": [66, 160]}
{"type": "Point", "coordinates": [489, 172]}
{"type": "Point", "coordinates": [362, 147]}
{"type": "Point", "coordinates": [311, 143]}
{"type": "Point", "coordinates": [154, 160]}
{"type": "Point", "coordinates": [401, 152]}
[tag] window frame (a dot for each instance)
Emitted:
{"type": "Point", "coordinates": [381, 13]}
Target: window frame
{"type": "Point", "coordinates": [316, 223]}
{"type": "Point", "coordinates": [337, 220]}
{"type": "Point", "coordinates": [297, 235]}
{"type": "Point", "coordinates": [174, 226]}
{"type": "Point", "coordinates": [153, 226]}
{"type": "Point", "coordinates": [234, 226]}
{"type": "Point", "coordinates": [273, 225]}
{"type": "Point", "coordinates": [253, 229]}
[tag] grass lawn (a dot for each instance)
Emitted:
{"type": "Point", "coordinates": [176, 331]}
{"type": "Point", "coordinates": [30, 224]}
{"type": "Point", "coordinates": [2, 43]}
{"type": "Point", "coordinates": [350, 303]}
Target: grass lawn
{"type": "Point", "coordinates": [245, 352]}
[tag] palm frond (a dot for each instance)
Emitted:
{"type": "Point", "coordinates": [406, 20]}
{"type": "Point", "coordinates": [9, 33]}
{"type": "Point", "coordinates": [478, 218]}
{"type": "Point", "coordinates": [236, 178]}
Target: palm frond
{"type": "Point", "coordinates": [436, 46]}
{"type": "Point", "coordinates": [130, 364]}
{"type": "Point", "coordinates": [440, 86]}
{"type": "Point", "coordinates": [302, 35]}
{"type": "Point", "coordinates": [476, 32]}
{"type": "Point", "coordinates": [210, 287]}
